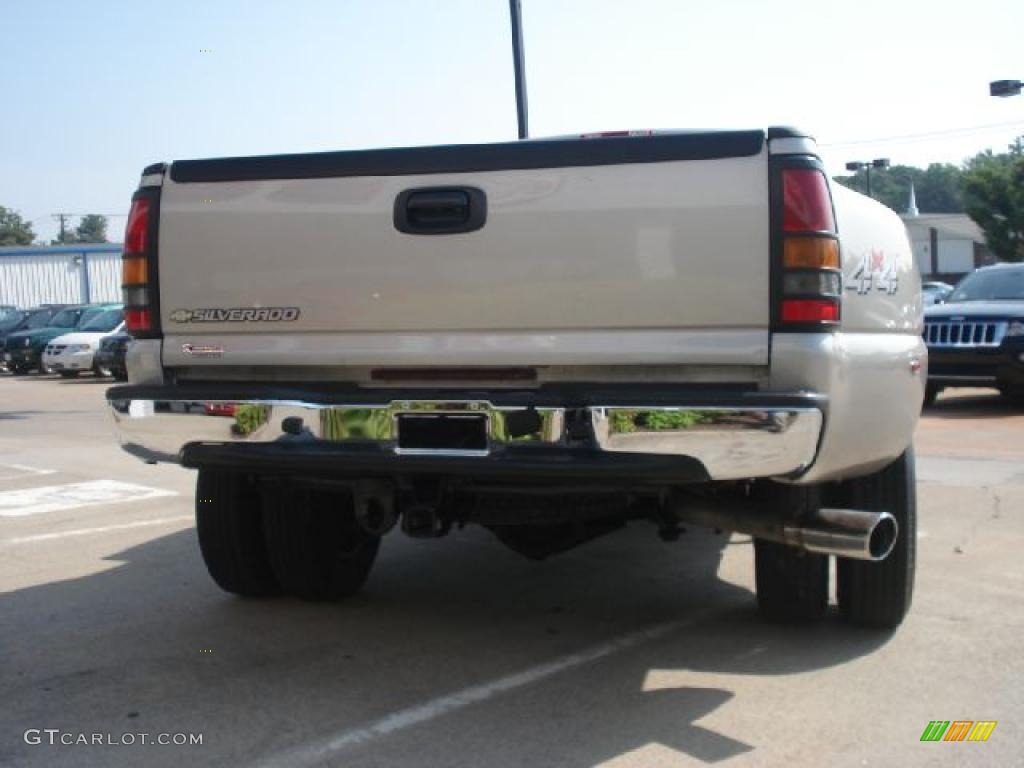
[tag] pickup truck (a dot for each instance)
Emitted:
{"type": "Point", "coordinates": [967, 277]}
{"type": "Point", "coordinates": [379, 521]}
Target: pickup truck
{"type": "Point", "coordinates": [549, 338]}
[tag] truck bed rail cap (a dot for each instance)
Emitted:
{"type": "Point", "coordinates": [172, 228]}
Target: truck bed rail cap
{"type": "Point", "coordinates": [468, 158]}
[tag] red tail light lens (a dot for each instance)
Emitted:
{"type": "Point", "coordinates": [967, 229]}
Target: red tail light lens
{"type": "Point", "coordinates": [807, 205]}
{"type": "Point", "coordinates": [138, 319]}
{"type": "Point", "coordinates": [136, 232]}
{"type": "Point", "coordinates": [810, 311]}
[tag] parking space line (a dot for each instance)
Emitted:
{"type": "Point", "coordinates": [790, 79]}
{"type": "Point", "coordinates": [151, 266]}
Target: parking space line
{"type": "Point", "coordinates": [315, 754]}
{"type": "Point", "coordinates": [89, 531]}
{"type": "Point", "coordinates": [34, 501]}
{"type": "Point", "coordinates": [25, 471]}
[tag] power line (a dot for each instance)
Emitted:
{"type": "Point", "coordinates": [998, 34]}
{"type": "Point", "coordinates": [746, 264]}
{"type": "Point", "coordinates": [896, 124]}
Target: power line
{"type": "Point", "coordinates": [965, 131]}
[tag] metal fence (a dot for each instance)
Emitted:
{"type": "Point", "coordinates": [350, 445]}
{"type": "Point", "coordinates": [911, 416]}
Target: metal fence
{"type": "Point", "coordinates": [60, 274]}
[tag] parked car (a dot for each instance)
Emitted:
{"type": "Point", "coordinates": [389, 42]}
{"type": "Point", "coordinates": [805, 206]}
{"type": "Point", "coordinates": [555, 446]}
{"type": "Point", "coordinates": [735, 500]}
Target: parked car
{"type": "Point", "coordinates": [547, 338]}
{"type": "Point", "coordinates": [976, 339]}
{"type": "Point", "coordinates": [935, 292]}
{"type": "Point", "coordinates": [24, 349]}
{"type": "Point", "coordinates": [110, 357]}
{"type": "Point", "coordinates": [72, 353]}
{"type": "Point", "coordinates": [24, 319]}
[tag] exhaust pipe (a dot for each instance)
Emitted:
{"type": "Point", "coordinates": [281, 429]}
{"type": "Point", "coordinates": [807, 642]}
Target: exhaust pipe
{"type": "Point", "coordinates": [845, 533]}
{"type": "Point", "coordinates": [850, 533]}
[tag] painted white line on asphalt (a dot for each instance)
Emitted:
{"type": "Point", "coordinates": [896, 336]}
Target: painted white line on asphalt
{"type": "Point", "coordinates": [33, 501]}
{"type": "Point", "coordinates": [90, 531]}
{"type": "Point", "coordinates": [318, 753]}
{"type": "Point", "coordinates": [25, 471]}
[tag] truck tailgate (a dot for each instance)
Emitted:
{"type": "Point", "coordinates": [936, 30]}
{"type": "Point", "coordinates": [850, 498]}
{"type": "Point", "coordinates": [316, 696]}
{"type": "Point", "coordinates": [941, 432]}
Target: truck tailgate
{"type": "Point", "coordinates": [624, 236]}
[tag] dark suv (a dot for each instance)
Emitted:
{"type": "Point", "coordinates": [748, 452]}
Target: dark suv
{"type": "Point", "coordinates": [24, 320]}
{"type": "Point", "coordinates": [976, 339]}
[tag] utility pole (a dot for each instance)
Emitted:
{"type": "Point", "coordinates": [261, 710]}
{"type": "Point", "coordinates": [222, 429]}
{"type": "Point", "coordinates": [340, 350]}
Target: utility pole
{"type": "Point", "coordinates": [519, 65]}
{"type": "Point", "coordinates": [62, 217]}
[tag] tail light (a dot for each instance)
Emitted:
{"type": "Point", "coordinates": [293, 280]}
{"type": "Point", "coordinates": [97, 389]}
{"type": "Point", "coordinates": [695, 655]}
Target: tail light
{"type": "Point", "coordinates": [138, 266]}
{"type": "Point", "coordinates": [807, 281]}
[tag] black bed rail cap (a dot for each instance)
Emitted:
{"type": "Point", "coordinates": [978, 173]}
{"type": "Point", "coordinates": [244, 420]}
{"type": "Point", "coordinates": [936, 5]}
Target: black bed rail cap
{"type": "Point", "coordinates": [467, 158]}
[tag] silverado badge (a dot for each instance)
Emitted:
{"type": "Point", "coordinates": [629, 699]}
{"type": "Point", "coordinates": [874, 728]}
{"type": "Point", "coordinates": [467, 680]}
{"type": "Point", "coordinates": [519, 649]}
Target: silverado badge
{"type": "Point", "coordinates": [236, 315]}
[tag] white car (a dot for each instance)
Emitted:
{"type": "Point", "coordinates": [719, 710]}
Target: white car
{"type": "Point", "coordinates": [72, 353]}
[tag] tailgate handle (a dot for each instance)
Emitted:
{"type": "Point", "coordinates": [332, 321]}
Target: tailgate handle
{"type": "Point", "coordinates": [440, 210]}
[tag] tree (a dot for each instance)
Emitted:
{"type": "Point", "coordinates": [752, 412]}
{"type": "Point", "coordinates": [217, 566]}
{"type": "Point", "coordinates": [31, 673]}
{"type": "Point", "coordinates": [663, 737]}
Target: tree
{"type": "Point", "coordinates": [91, 229]}
{"type": "Point", "coordinates": [14, 230]}
{"type": "Point", "coordinates": [938, 188]}
{"type": "Point", "coordinates": [994, 190]}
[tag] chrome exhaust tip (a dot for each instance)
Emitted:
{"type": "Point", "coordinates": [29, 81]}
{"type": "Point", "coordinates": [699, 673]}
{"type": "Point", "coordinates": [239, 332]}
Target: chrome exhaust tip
{"type": "Point", "coordinates": [851, 533]}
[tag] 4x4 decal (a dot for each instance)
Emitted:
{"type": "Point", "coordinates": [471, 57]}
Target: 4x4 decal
{"type": "Point", "coordinates": [876, 269]}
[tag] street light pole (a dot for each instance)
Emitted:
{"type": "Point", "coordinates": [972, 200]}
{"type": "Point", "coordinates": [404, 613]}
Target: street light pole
{"type": "Point", "coordinates": [519, 66]}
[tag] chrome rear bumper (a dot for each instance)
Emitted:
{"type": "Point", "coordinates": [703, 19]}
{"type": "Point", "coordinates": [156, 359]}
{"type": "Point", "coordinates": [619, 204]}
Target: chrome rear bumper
{"type": "Point", "coordinates": [772, 438]}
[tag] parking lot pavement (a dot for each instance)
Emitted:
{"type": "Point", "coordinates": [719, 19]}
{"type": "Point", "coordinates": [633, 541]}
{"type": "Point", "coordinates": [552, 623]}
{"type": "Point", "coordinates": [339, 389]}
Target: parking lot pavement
{"type": "Point", "coordinates": [625, 652]}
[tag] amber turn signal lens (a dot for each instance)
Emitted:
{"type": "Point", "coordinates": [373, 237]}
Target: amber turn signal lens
{"type": "Point", "coordinates": [134, 271]}
{"type": "Point", "coordinates": [810, 253]}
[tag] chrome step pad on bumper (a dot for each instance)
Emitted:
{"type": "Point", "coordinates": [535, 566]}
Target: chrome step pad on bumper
{"type": "Point", "coordinates": [764, 437]}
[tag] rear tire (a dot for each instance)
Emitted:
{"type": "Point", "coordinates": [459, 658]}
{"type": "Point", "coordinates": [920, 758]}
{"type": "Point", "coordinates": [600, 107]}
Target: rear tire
{"type": "Point", "coordinates": [230, 529]}
{"type": "Point", "coordinates": [878, 595]}
{"type": "Point", "coordinates": [317, 550]}
{"type": "Point", "coordinates": [792, 585]}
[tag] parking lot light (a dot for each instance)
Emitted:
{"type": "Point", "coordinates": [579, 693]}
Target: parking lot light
{"type": "Point", "coordinates": [1004, 88]}
{"type": "Point", "coordinates": [879, 163]}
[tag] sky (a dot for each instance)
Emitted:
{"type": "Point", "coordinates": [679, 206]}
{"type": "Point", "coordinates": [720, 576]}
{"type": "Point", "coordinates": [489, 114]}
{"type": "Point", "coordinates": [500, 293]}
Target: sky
{"type": "Point", "coordinates": [97, 90]}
